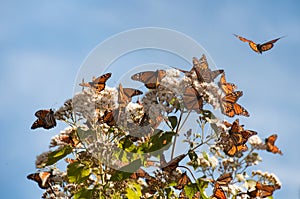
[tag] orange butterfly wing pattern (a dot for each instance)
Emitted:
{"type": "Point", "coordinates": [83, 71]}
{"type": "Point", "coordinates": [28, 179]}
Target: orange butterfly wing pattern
{"type": "Point", "coordinates": [225, 86]}
{"type": "Point", "coordinates": [270, 141]}
{"type": "Point", "coordinates": [259, 48]}
{"type": "Point", "coordinates": [229, 106]}
{"type": "Point", "coordinates": [98, 84]}
{"type": "Point", "coordinates": [182, 181]}
{"type": "Point", "coordinates": [45, 119]}
{"type": "Point", "coordinates": [237, 139]}
{"type": "Point", "coordinates": [262, 190]}
{"type": "Point", "coordinates": [151, 79]}
{"type": "Point", "coordinates": [218, 192]}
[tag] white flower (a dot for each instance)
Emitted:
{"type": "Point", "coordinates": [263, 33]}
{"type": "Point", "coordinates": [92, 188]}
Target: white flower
{"type": "Point", "coordinates": [213, 162]}
{"type": "Point", "coordinates": [254, 140]}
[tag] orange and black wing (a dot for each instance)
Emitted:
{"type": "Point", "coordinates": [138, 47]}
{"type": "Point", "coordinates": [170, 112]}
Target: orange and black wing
{"type": "Point", "coordinates": [151, 79]}
{"type": "Point", "coordinates": [265, 190]}
{"type": "Point", "coordinates": [268, 45]}
{"type": "Point", "coordinates": [225, 86]}
{"type": "Point", "coordinates": [232, 97]}
{"type": "Point", "coordinates": [232, 149]}
{"type": "Point", "coordinates": [41, 178]}
{"type": "Point", "coordinates": [99, 83]}
{"type": "Point", "coordinates": [218, 192]}
{"type": "Point", "coordinates": [252, 44]}
{"type": "Point", "coordinates": [108, 118]}
{"type": "Point", "coordinates": [182, 181]}
{"type": "Point", "coordinates": [270, 144]}
{"type": "Point", "coordinates": [224, 179]}
{"type": "Point", "coordinates": [45, 119]}
{"type": "Point", "coordinates": [192, 99]}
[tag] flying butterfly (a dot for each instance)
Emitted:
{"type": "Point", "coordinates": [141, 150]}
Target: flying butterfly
{"type": "Point", "coordinates": [229, 106]}
{"type": "Point", "coordinates": [45, 119]}
{"type": "Point", "coordinates": [97, 84]}
{"type": "Point", "coordinates": [151, 79]}
{"type": "Point", "coordinates": [270, 141]}
{"type": "Point", "coordinates": [125, 94]}
{"type": "Point", "coordinates": [225, 86]}
{"type": "Point", "coordinates": [259, 48]}
{"type": "Point", "coordinates": [42, 178]}
{"type": "Point", "coordinates": [192, 99]}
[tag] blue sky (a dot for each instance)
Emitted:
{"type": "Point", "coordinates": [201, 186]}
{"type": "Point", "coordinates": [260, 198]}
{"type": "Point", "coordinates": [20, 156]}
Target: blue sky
{"type": "Point", "coordinates": [43, 44]}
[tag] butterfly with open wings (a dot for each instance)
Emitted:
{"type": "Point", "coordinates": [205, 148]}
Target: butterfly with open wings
{"type": "Point", "coordinates": [259, 48]}
{"type": "Point", "coordinates": [229, 106]}
{"type": "Point", "coordinates": [45, 119]}
{"type": "Point", "coordinates": [151, 79]}
{"type": "Point", "coordinates": [98, 84]}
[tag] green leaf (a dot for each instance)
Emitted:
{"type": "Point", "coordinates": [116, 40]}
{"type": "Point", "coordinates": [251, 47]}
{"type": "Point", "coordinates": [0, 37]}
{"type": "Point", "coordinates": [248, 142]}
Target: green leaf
{"type": "Point", "coordinates": [160, 140]}
{"type": "Point", "coordinates": [126, 171]}
{"type": "Point", "coordinates": [84, 194]}
{"type": "Point", "coordinates": [78, 172]}
{"type": "Point", "coordinates": [134, 191]}
{"type": "Point", "coordinates": [190, 190]}
{"type": "Point", "coordinates": [59, 154]}
{"type": "Point", "coordinates": [205, 156]}
{"type": "Point", "coordinates": [173, 120]}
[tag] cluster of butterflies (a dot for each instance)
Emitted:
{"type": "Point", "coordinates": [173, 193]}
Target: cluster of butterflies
{"type": "Point", "coordinates": [235, 141]}
{"type": "Point", "coordinates": [261, 190]}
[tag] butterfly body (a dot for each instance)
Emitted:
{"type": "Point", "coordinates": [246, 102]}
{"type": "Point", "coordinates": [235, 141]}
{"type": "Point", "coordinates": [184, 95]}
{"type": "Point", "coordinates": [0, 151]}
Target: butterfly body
{"type": "Point", "coordinates": [259, 48]}
{"type": "Point", "coordinates": [45, 119]}
{"type": "Point", "coordinates": [270, 144]}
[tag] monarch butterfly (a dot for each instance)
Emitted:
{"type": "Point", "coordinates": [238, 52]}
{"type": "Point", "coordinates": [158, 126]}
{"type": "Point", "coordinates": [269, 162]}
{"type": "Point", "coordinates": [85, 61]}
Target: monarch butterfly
{"type": "Point", "coordinates": [182, 195]}
{"type": "Point", "coordinates": [42, 178]}
{"type": "Point", "coordinates": [45, 119]}
{"type": "Point", "coordinates": [109, 118]}
{"type": "Point", "coordinates": [172, 165]}
{"type": "Point", "coordinates": [70, 139]}
{"type": "Point", "coordinates": [125, 94]}
{"type": "Point", "coordinates": [182, 181]}
{"type": "Point", "coordinates": [229, 106]}
{"type": "Point", "coordinates": [259, 48]}
{"type": "Point", "coordinates": [262, 190]}
{"type": "Point", "coordinates": [225, 86]}
{"type": "Point", "coordinates": [237, 139]}
{"type": "Point", "coordinates": [151, 79]}
{"type": "Point", "coordinates": [192, 99]}
{"type": "Point", "coordinates": [270, 141]}
{"type": "Point", "coordinates": [203, 72]}
{"type": "Point", "coordinates": [224, 179]}
{"type": "Point", "coordinates": [218, 192]}
{"type": "Point", "coordinates": [140, 173]}
{"type": "Point", "coordinates": [98, 84]}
